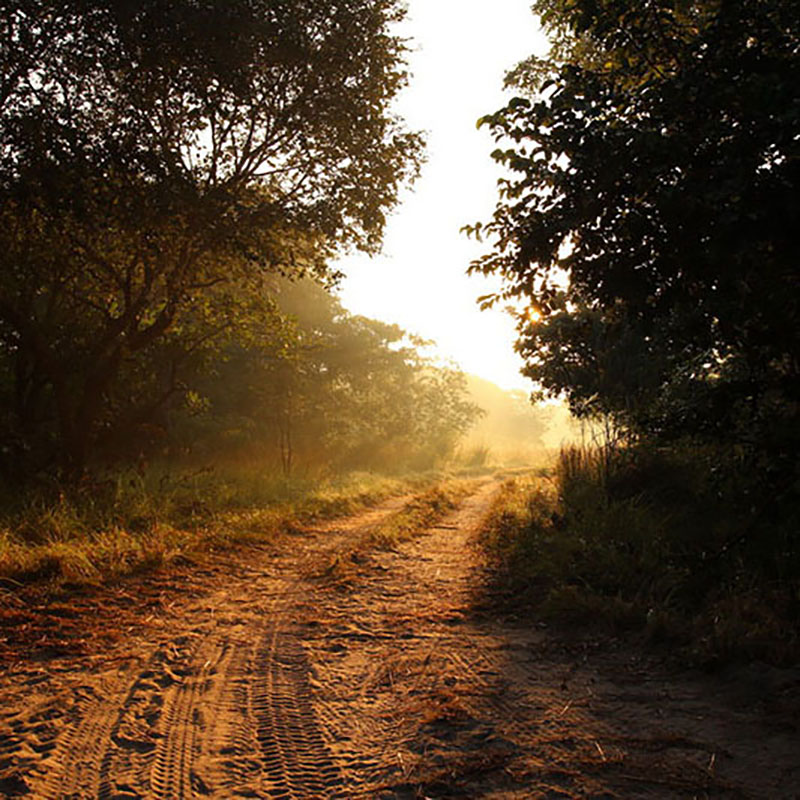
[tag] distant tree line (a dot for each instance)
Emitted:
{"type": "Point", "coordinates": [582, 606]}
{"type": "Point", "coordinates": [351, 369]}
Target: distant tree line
{"type": "Point", "coordinates": [161, 164]}
{"type": "Point", "coordinates": [307, 383]}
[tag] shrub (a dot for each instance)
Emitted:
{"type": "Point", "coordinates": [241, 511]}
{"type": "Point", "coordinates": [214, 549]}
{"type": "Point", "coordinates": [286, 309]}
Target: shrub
{"type": "Point", "coordinates": [654, 539]}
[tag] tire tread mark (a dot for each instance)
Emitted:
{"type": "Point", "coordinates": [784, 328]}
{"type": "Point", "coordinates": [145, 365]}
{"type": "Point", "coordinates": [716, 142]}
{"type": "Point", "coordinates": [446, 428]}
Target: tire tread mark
{"type": "Point", "coordinates": [230, 744]}
{"type": "Point", "coordinates": [296, 760]}
{"type": "Point", "coordinates": [171, 774]}
{"type": "Point", "coordinates": [75, 768]}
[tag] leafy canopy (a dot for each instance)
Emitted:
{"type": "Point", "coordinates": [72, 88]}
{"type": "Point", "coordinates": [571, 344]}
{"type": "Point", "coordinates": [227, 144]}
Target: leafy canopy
{"type": "Point", "coordinates": [151, 153]}
{"type": "Point", "coordinates": [654, 161]}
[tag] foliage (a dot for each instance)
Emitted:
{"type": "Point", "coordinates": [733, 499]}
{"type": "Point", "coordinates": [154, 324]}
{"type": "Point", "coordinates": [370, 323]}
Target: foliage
{"type": "Point", "coordinates": [657, 169]}
{"type": "Point", "coordinates": [477, 456]}
{"type": "Point", "coordinates": [648, 220]}
{"type": "Point", "coordinates": [609, 37]}
{"type": "Point", "coordinates": [333, 388]}
{"type": "Point", "coordinates": [640, 541]}
{"type": "Point", "coordinates": [158, 158]}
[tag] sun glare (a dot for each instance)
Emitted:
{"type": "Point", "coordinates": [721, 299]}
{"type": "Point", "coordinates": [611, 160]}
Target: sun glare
{"type": "Point", "coordinates": [420, 282]}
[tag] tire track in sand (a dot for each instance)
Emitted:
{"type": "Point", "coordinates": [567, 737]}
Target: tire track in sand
{"type": "Point", "coordinates": [73, 771]}
{"type": "Point", "coordinates": [221, 706]}
{"type": "Point", "coordinates": [296, 760]}
{"type": "Point", "coordinates": [171, 774]}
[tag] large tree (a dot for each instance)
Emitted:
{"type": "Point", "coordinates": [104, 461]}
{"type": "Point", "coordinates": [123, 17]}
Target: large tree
{"type": "Point", "coordinates": [655, 162]}
{"type": "Point", "coordinates": [150, 152]}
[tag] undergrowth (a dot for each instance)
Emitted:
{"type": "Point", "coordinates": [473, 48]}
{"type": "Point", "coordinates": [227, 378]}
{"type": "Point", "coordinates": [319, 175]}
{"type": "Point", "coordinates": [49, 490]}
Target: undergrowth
{"type": "Point", "coordinates": [651, 542]}
{"type": "Point", "coordinates": [132, 522]}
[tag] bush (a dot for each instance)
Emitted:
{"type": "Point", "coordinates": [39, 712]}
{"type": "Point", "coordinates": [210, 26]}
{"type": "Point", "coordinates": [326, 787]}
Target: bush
{"type": "Point", "coordinates": [656, 540]}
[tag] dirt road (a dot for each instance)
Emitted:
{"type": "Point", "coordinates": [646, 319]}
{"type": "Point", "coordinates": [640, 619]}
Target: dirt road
{"type": "Point", "coordinates": [305, 669]}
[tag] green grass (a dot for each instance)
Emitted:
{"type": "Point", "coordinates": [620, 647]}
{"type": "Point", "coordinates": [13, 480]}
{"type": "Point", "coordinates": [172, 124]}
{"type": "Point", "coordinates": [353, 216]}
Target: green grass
{"type": "Point", "coordinates": [132, 522]}
{"type": "Point", "coordinates": [637, 542]}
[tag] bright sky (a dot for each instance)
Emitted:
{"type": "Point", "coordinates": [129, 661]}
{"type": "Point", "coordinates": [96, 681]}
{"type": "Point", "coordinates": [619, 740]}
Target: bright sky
{"type": "Point", "coordinates": [462, 49]}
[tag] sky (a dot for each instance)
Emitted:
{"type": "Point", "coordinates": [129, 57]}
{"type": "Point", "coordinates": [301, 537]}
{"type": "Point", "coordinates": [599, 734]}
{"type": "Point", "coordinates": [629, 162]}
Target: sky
{"type": "Point", "coordinates": [461, 50]}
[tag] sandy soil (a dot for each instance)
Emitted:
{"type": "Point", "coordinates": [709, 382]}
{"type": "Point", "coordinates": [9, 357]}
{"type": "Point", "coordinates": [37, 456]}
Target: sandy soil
{"type": "Point", "coordinates": [307, 669]}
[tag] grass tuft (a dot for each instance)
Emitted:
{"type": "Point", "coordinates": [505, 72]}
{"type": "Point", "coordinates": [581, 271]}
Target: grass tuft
{"type": "Point", "coordinates": [421, 513]}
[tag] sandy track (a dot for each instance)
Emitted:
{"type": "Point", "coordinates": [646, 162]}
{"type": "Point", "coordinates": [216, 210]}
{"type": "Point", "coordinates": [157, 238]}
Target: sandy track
{"type": "Point", "coordinates": [307, 670]}
{"type": "Point", "coordinates": [444, 699]}
{"type": "Point", "coordinates": [209, 697]}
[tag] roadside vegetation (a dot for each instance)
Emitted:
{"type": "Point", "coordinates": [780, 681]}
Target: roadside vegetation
{"type": "Point", "coordinates": [647, 233]}
{"type": "Point", "coordinates": [176, 371]}
{"type": "Point", "coordinates": [301, 410]}
{"type": "Point", "coordinates": [653, 543]}
{"type": "Point", "coordinates": [511, 431]}
{"type": "Point", "coordinates": [143, 522]}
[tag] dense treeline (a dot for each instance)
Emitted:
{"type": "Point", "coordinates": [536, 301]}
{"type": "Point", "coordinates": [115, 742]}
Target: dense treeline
{"type": "Point", "coordinates": [165, 170]}
{"type": "Point", "coordinates": [650, 220]}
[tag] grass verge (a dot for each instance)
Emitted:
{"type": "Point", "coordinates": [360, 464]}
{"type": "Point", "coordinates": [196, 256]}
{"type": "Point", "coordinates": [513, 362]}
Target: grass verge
{"type": "Point", "coordinates": [136, 522]}
{"type": "Point", "coordinates": [421, 513]}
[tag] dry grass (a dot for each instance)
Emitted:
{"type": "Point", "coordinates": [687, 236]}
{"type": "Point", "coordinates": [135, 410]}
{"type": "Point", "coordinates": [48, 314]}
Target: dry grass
{"type": "Point", "coordinates": [421, 513]}
{"type": "Point", "coordinates": [636, 541]}
{"type": "Point", "coordinates": [142, 523]}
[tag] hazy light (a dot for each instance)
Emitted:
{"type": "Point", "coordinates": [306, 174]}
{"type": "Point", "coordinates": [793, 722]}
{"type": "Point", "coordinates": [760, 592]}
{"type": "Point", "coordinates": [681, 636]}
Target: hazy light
{"type": "Point", "coordinates": [462, 50]}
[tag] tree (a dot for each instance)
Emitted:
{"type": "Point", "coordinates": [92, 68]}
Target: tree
{"type": "Point", "coordinates": [150, 152]}
{"type": "Point", "coordinates": [322, 386]}
{"type": "Point", "coordinates": [657, 167]}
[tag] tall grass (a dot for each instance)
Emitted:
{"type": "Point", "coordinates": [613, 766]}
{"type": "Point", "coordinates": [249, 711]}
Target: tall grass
{"type": "Point", "coordinates": [131, 521]}
{"type": "Point", "coordinates": [645, 540]}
